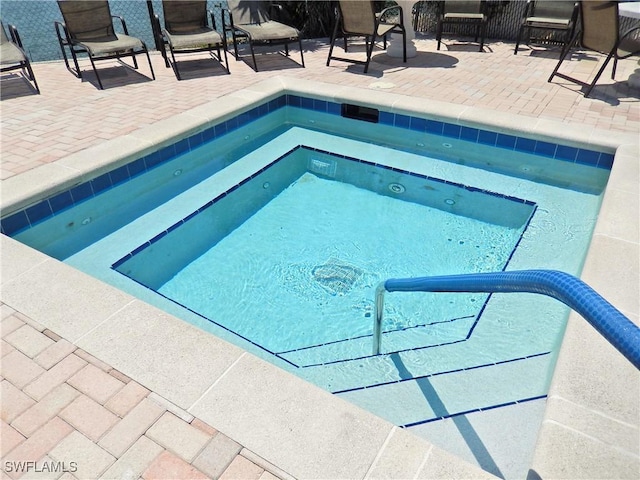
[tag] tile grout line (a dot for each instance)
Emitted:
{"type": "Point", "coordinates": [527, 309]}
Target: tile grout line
{"type": "Point", "coordinates": [380, 452]}
{"type": "Point", "coordinates": [212, 386]}
{"type": "Point", "coordinates": [91, 330]}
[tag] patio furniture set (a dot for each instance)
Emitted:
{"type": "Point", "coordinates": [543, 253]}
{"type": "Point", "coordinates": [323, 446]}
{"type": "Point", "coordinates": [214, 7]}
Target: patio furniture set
{"type": "Point", "coordinates": [187, 27]}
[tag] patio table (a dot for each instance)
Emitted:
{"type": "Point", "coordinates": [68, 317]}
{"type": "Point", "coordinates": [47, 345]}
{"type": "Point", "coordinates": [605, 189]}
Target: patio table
{"type": "Point", "coordinates": [395, 44]}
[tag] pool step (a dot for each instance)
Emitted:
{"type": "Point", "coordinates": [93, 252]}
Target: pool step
{"type": "Point", "coordinates": [419, 400]}
{"type": "Point", "coordinates": [424, 336]}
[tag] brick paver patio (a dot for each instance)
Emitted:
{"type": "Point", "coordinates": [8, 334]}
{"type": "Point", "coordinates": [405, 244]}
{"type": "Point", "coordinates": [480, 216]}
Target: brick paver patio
{"type": "Point", "coordinates": [66, 414]}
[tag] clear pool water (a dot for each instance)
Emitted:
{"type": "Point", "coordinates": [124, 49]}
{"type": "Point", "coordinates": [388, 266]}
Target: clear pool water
{"type": "Point", "coordinates": [275, 236]}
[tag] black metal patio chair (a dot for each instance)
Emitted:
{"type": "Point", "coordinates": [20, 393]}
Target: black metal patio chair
{"type": "Point", "coordinates": [549, 16]}
{"type": "Point", "coordinates": [251, 20]}
{"type": "Point", "coordinates": [88, 28]}
{"type": "Point", "coordinates": [600, 32]}
{"type": "Point", "coordinates": [358, 18]}
{"type": "Point", "coordinates": [467, 13]}
{"type": "Point", "coordinates": [187, 30]}
{"type": "Point", "coordinates": [13, 56]}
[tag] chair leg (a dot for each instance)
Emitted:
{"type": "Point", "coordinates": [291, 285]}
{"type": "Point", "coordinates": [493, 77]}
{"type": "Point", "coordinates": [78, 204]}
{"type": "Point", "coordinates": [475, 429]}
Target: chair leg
{"type": "Point", "coordinates": [404, 46]}
{"type": "Point", "coordinates": [369, 41]}
{"type": "Point", "coordinates": [235, 45]}
{"type": "Point", "coordinates": [604, 65]}
{"type": "Point", "coordinates": [31, 76]}
{"type": "Point", "coordinates": [520, 32]}
{"type": "Point", "coordinates": [439, 34]}
{"type": "Point", "coordinates": [333, 41]}
{"type": "Point", "coordinates": [165, 56]}
{"type": "Point", "coordinates": [162, 48]}
{"type": "Point", "coordinates": [146, 51]}
{"type": "Point", "coordinates": [64, 54]}
{"type": "Point", "coordinates": [226, 60]}
{"type": "Point", "coordinates": [253, 56]}
{"type": "Point", "coordinates": [95, 70]}
{"type": "Point", "coordinates": [75, 62]}
{"type": "Point", "coordinates": [301, 54]}
{"type": "Point", "coordinates": [615, 66]}
{"type": "Point", "coordinates": [563, 55]}
{"type": "Point", "coordinates": [174, 64]}
{"type": "Point", "coordinates": [483, 34]}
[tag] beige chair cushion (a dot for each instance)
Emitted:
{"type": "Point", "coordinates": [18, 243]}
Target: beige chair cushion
{"type": "Point", "coordinates": [268, 31]}
{"type": "Point", "coordinates": [111, 44]}
{"type": "Point", "coordinates": [10, 54]}
{"type": "Point", "coordinates": [193, 39]}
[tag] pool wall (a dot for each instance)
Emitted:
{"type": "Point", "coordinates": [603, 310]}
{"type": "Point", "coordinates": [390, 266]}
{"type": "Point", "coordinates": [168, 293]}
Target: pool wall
{"type": "Point", "coordinates": [591, 422]}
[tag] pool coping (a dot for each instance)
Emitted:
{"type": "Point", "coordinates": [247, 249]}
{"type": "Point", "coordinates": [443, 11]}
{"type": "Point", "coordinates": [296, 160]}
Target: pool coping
{"type": "Point", "coordinates": [339, 440]}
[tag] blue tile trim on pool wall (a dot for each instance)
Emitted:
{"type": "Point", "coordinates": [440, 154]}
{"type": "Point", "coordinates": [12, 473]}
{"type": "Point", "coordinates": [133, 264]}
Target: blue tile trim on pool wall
{"type": "Point", "coordinates": [29, 216]}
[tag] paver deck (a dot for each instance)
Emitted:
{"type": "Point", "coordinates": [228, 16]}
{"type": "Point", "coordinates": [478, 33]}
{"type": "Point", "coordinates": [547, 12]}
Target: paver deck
{"type": "Point", "coordinates": [62, 407]}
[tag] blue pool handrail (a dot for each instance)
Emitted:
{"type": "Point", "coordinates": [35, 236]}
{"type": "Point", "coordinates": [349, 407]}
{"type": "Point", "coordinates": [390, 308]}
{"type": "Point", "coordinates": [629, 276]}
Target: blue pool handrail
{"type": "Point", "coordinates": [621, 332]}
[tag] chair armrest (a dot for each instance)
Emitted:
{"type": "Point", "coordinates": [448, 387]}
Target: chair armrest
{"type": "Point", "coordinates": [156, 27]}
{"type": "Point", "coordinates": [229, 18]}
{"type": "Point", "coordinates": [281, 14]}
{"type": "Point", "coordinates": [528, 10]}
{"type": "Point", "coordinates": [63, 38]}
{"type": "Point", "coordinates": [213, 19]}
{"type": "Point", "coordinates": [576, 11]}
{"type": "Point", "coordinates": [122, 22]}
{"type": "Point", "coordinates": [381, 15]}
{"type": "Point", "coordinates": [629, 32]}
{"type": "Point", "coordinates": [15, 36]}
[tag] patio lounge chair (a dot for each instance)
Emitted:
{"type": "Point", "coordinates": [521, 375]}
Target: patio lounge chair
{"type": "Point", "coordinates": [466, 13]}
{"type": "Point", "coordinates": [250, 19]}
{"type": "Point", "coordinates": [358, 18]}
{"type": "Point", "coordinates": [13, 56]}
{"type": "Point", "coordinates": [546, 15]}
{"type": "Point", "coordinates": [186, 30]}
{"type": "Point", "coordinates": [600, 33]}
{"type": "Point", "coordinates": [88, 28]}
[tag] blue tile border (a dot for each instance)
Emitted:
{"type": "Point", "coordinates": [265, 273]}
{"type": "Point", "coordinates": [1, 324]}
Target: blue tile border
{"type": "Point", "coordinates": [475, 410]}
{"type": "Point", "coordinates": [18, 221]}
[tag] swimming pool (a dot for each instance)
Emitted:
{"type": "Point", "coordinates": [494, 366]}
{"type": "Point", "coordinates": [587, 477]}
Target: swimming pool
{"type": "Point", "coordinates": [446, 165]}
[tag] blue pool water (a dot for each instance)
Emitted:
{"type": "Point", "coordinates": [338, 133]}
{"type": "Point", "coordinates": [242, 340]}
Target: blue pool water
{"type": "Point", "coordinates": [307, 258]}
{"type": "Point", "coordinates": [272, 231]}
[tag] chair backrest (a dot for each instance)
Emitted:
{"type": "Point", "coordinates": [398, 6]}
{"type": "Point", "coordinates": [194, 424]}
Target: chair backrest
{"type": "Point", "coordinates": [87, 19]}
{"type": "Point", "coordinates": [560, 9]}
{"type": "Point", "coordinates": [246, 12]}
{"type": "Point", "coordinates": [600, 25]}
{"type": "Point", "coordinates": [184, 16]}
{"type": "Point", "coordinates": [463, 6]}
{"type": "Point", "coordinates": [358, 17]}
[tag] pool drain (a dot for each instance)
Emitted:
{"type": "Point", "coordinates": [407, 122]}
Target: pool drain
{"type": "Point", "coordinates": [336, 276]}
{"type": "Point", "coordinates": [396, 188]}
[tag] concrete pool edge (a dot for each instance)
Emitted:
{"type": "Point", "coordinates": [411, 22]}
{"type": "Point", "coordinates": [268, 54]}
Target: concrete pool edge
{"type": "Point", "coordinates": [35, 274]}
